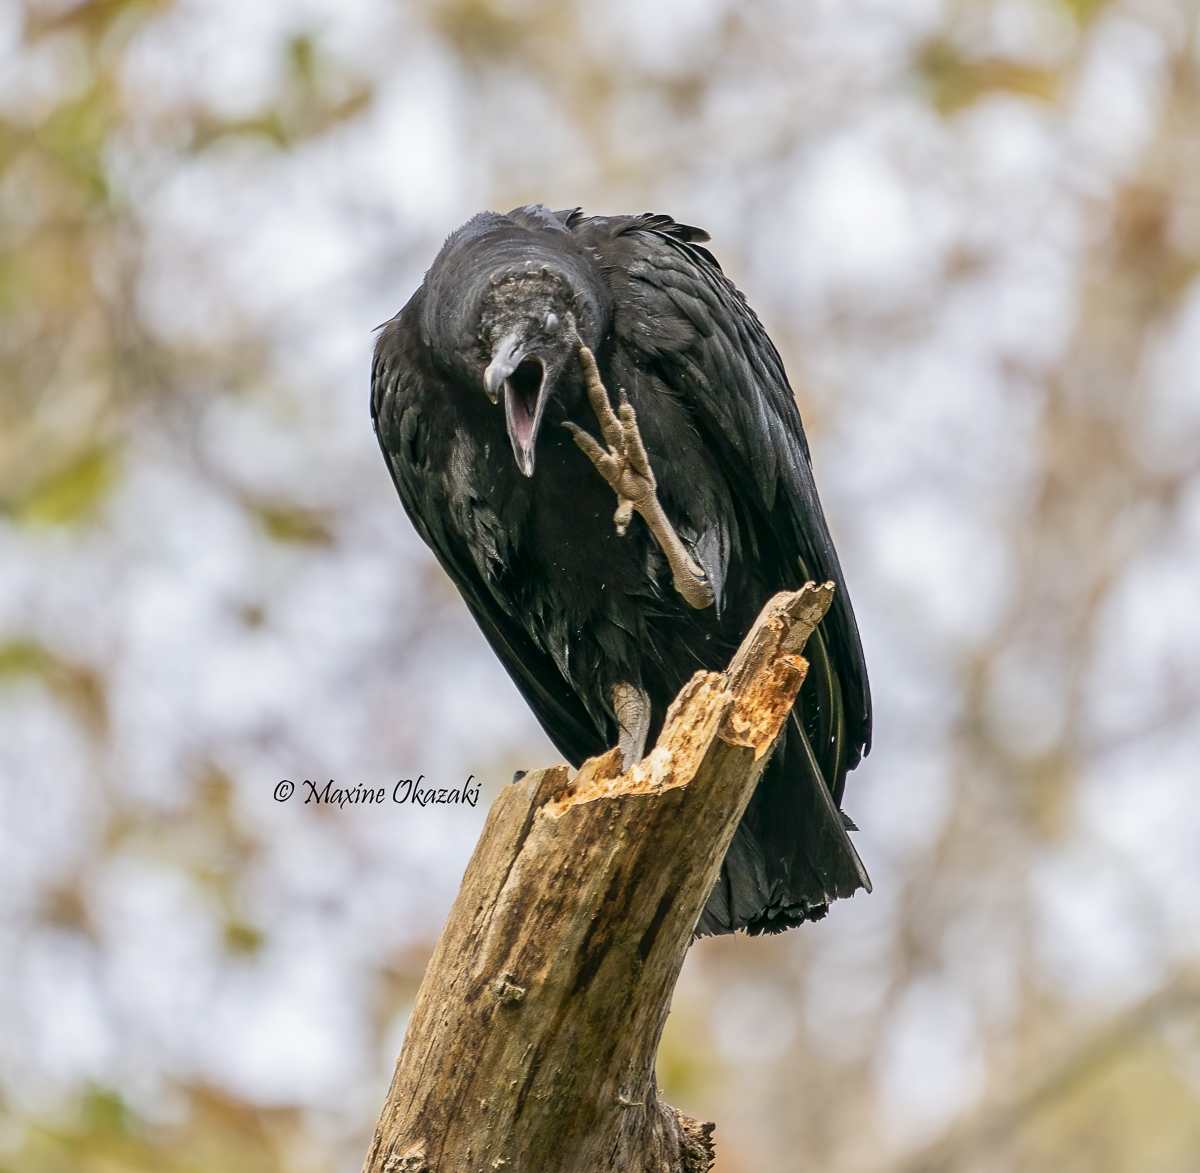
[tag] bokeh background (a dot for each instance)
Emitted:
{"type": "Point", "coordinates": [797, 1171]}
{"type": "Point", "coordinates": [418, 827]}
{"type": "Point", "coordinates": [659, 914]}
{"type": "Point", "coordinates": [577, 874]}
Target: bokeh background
{"type": "Point", "coordinates": [972, 227]}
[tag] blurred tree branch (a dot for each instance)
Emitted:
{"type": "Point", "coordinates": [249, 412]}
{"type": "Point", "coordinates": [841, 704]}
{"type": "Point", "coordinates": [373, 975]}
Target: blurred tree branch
{"type": "Point", "coordinates": [1050, 1078]}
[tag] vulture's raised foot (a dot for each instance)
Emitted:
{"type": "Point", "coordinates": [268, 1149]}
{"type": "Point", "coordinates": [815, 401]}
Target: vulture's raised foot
{"type": "Point", "coordinates": [626, 468]}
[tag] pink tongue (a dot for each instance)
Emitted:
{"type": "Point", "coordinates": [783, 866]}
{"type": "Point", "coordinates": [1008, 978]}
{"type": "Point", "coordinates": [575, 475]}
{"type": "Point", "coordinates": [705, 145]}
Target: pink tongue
{"type": "Point", "coordinates": [522, 420]}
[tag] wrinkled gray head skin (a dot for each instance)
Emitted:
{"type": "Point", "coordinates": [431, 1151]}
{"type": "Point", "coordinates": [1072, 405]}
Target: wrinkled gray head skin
{"type": "Point", "coordinates": [507, 302]}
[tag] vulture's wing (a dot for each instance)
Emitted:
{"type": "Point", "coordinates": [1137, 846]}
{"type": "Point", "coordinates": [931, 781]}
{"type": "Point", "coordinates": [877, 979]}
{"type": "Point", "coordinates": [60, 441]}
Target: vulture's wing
{"type": "Point", "coordinates": [416, 454]}
{"type": "Point", "coordinates": [693, 328]}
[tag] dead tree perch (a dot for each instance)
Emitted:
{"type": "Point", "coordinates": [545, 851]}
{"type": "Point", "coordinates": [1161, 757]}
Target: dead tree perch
{"type": "Point", "coordinates": [532, 1042]}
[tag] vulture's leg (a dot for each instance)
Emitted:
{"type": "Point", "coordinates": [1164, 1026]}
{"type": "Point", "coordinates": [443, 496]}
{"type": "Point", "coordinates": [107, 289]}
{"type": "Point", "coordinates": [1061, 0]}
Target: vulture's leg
{"type": "Point", "coordinates": [626, 468]}
{"type": "Point", "coordinates": [632, 707]}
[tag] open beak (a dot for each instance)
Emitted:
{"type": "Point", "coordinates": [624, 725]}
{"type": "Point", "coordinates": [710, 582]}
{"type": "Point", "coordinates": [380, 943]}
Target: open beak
{"type": "Point", "coordinates": [523, 378]}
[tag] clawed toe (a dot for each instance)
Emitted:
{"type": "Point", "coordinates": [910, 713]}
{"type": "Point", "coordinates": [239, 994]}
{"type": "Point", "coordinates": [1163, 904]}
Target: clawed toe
{"type": "Point", "coordinates": [625, 466]}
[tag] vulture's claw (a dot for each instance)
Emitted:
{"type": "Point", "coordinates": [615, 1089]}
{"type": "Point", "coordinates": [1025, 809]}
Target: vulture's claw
{"type": "Point", "coordinates": [631, 706]}
{"type": "Point", "coordinates": [626, 468]}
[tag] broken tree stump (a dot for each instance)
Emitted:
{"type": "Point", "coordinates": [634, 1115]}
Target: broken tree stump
{"type": "Point", "coordinates": [532, 1042]}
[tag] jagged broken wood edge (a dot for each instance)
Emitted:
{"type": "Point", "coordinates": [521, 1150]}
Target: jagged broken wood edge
{"type": "Point", "coordinates": [532, 1041]}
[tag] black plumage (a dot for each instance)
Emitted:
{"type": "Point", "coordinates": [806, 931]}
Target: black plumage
{"type": "Point", "coordinates": [523, 523]}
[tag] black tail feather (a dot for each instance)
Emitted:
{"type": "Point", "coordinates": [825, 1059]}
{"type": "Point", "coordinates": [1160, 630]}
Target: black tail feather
{"type": "Point", "coordinates": [791, 854]}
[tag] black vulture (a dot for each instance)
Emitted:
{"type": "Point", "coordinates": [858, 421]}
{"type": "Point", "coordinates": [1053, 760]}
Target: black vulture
{"type": "Point", "coordinates": [626, 325]}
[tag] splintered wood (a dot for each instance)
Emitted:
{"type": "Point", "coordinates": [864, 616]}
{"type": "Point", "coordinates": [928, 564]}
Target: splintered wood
{"type": "Point", "coordinates": [531, 1045]}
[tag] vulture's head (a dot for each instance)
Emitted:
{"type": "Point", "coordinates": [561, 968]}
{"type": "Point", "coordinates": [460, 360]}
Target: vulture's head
{"type": "Point", "coordinates": [508, 301]}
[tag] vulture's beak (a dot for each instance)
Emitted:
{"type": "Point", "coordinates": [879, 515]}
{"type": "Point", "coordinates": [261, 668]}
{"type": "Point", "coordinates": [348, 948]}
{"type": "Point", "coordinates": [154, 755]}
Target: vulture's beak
{"type": "Point", "coordinates": [523, 377]}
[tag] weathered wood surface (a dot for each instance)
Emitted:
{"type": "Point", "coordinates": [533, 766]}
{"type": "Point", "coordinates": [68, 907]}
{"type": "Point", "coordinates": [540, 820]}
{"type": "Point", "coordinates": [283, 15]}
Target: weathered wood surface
{"type": "Point", "coordinates": [532, 1042]}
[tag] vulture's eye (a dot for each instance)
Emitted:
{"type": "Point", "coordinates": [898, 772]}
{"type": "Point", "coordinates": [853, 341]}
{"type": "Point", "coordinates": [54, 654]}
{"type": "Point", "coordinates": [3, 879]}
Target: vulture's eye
{"type": "Point", "coordinates": [551, 322]}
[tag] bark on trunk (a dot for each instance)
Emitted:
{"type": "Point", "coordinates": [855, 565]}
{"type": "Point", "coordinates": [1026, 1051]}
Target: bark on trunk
{"type": "Point", "coordinates": [532, 1042]}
